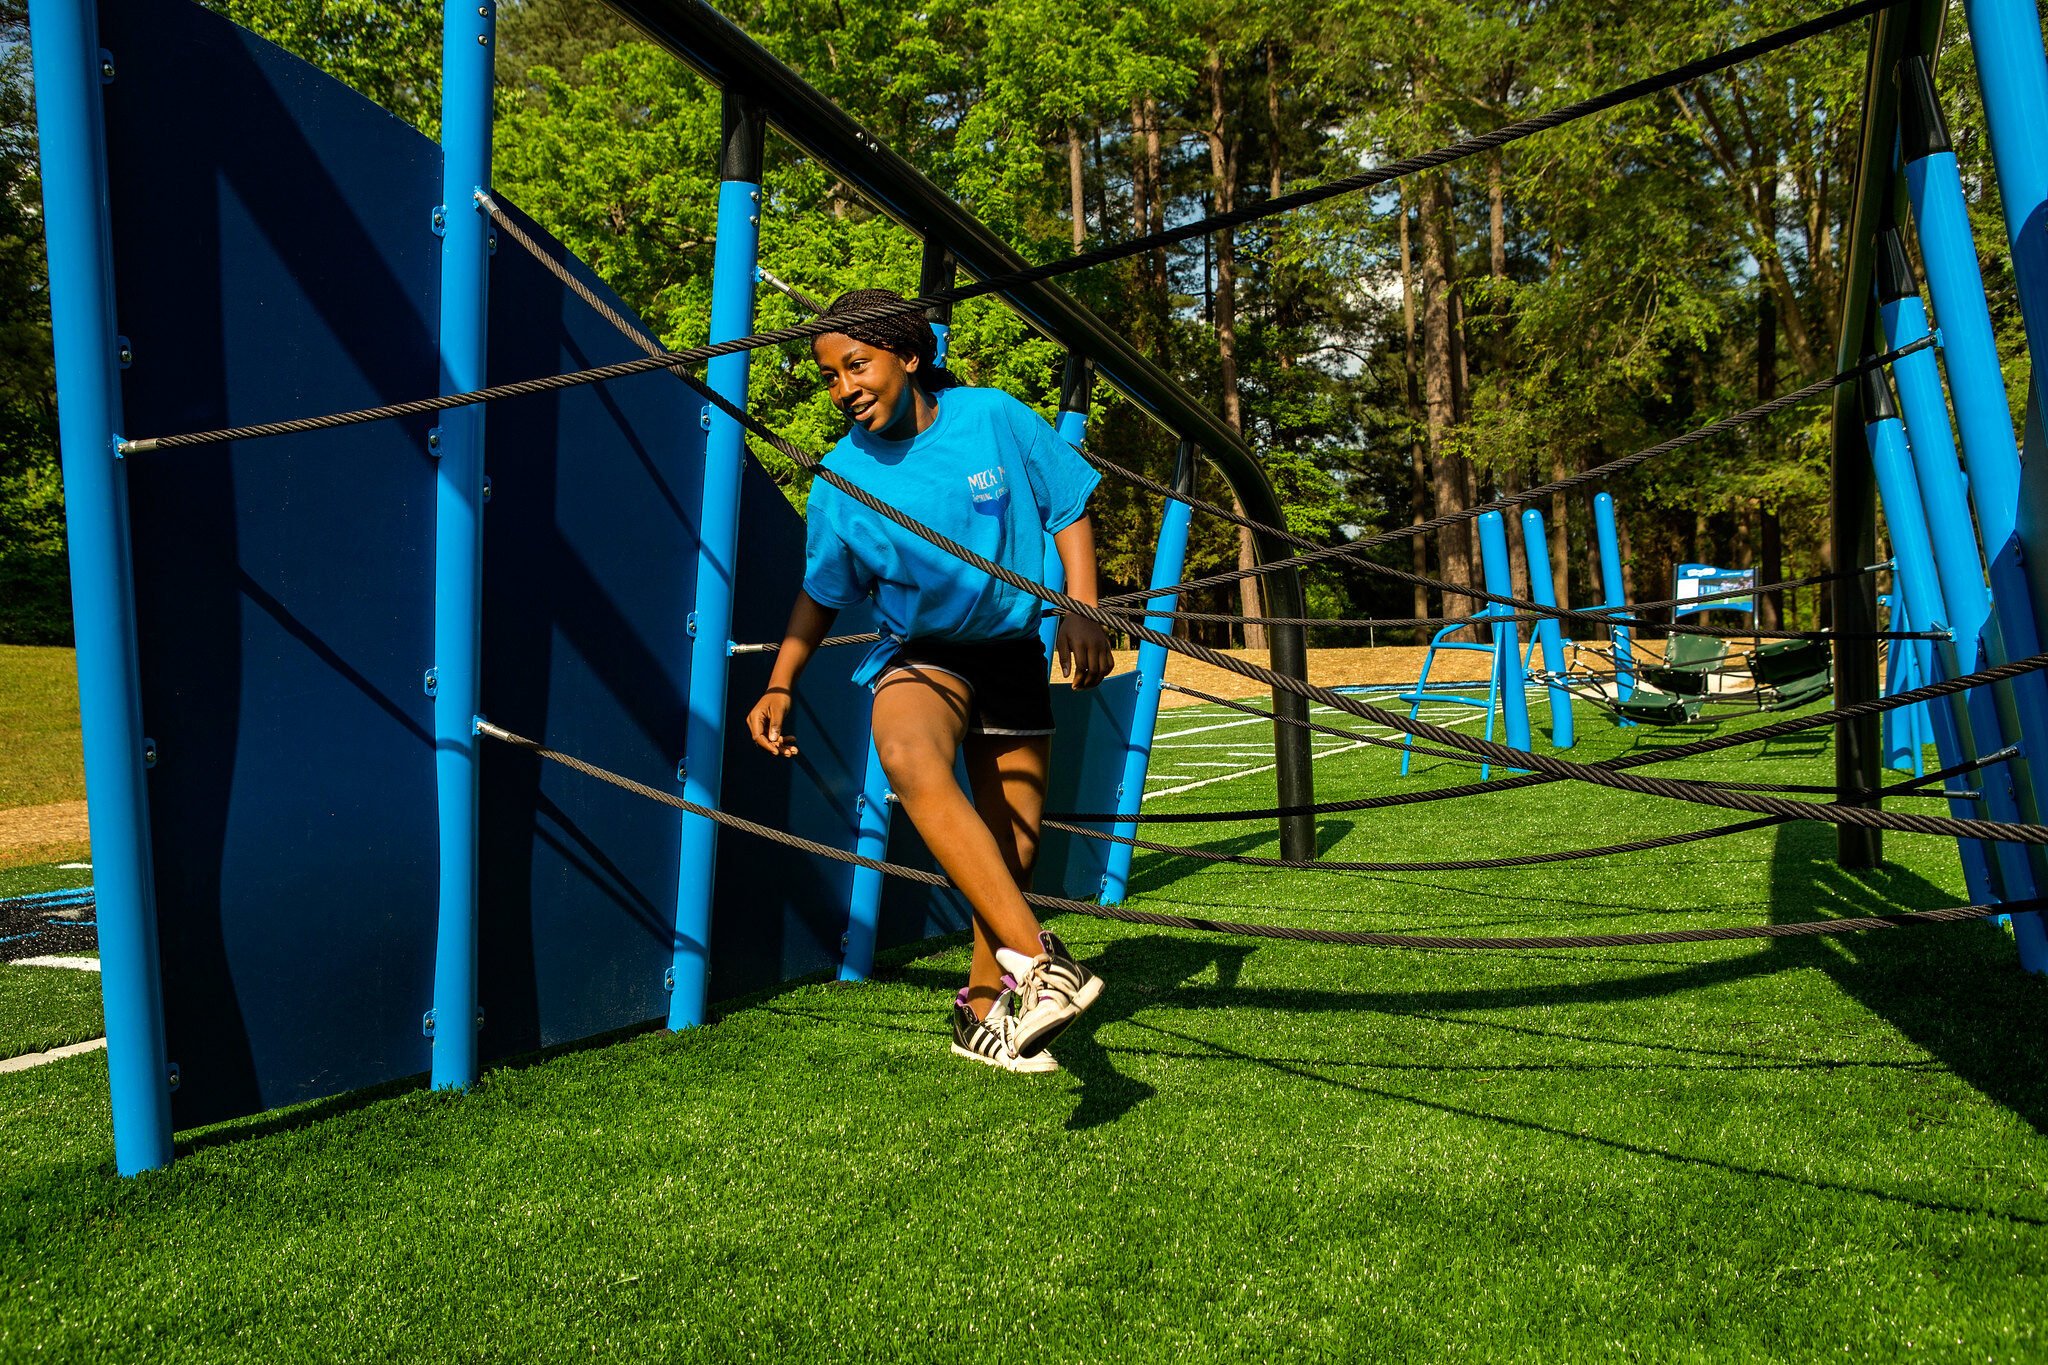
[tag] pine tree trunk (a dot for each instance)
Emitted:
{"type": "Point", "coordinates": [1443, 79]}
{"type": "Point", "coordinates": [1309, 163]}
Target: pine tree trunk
{"type": "Point", "coordinates": [1770, 607]}
{"type": "Point", "coordinates": [1077, 182]}
{"type": "Point", "coordinates": [1223, 158]}
{"type": "Point", "coordinates": [1454, 543]}
{"type": "Point", "coordinates": [1418, 464]}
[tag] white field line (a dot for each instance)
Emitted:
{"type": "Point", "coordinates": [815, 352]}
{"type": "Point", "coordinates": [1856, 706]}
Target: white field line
{"type": "Point", "coordinates": [1263, 768]}
{"type": "Point", "coordinates": [1441, 713]}
{"type": "Point", "coordinates": [34, 1059]}
{"type": "Point", "coordinates": [76, 964]}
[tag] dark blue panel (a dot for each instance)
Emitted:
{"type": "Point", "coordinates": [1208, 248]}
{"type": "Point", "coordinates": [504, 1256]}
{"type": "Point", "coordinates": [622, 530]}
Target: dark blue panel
{"type": "Point", "coordinates": [273, 258]}
{"type": "Point", "coordinates": [777, 913]}
{"type": "Point", "coordinates": [1088, 762]}
{"type": "Point", "coordinates": [589, 557]}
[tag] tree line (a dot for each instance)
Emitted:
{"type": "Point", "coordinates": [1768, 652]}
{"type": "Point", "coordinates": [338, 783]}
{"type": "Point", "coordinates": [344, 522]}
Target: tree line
{"type": "Point", "coordinates": [1391, 356]}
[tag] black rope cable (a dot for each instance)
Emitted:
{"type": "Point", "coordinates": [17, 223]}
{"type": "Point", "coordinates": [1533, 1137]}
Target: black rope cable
{"type": "Point", "coordinates": [1102, 255]}
{"type": "Point", "coordinates": [1474, 788]}
{"type": "Point", "coordinates": [1606, 614]}
{"type": "Point", "coordinates": [1353, 550]}
{"type": "Point", "coordinates": [1592, 774]}
{"type": "Point", "coordinates": [1761, 734]}
{"type": "Point", "coordinates": [647, 343]}
{"type": "Point", "coordinates": [1347, 937]}
{"type": "Point", "coordinates": [1511, 860]}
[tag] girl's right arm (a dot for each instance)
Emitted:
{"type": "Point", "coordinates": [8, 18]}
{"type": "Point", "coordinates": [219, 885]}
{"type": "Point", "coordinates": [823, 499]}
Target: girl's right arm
{"type": "Point", "coordinates": [766, 723]}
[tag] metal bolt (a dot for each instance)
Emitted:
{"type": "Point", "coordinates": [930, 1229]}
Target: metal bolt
{"type": "Point", "coordinates": [434, 439]}
{"type": "Point", "coordinates": [173, 1078]}
{"type": "Point", "coordinates": [106, 68]}
{"type": "Point", "coordinates": [487, 488]}
{"type": "Point", "coordinates": [754, 195]}
{"type": "Point", "coordinates": [483, 39]}
{"type": "Point", "coordinates": [149, 753]}
{"type": "Point", "coordinates": [754, 220]}
{"type": "Point", "coordinates": [484, 11]}
{"type": "Point", "coordinates": [127, 355]}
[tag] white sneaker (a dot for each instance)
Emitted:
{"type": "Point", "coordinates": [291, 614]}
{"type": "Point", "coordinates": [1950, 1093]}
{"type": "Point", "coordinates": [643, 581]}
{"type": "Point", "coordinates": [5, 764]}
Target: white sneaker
{"type": "Point", "coordinates": [1055, 991]}
{"type": "Point", "coordinates": [991, 1040]}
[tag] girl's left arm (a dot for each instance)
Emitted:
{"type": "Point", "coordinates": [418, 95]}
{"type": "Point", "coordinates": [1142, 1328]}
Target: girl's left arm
{"type": "Point", "coordinates": [1082, 649]}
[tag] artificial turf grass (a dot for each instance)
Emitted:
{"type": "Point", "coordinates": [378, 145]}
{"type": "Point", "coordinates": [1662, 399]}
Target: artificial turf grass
{"type": "Point", "coordinates": [46, 1007]}
{"type": "Point", "coordinates": [42, 757]}
{"type": "Point", "coordinates": [1263, 1150]}
{"type": "Point", "coordinates": [32, 878]}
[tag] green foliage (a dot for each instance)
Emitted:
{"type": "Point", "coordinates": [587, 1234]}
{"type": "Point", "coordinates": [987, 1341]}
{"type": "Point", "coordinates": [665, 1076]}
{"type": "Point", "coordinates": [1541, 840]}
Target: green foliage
{"type": "Point", "coordinates": [35, 605]}
{"type": "Point", "coordinates": [1624, 301]}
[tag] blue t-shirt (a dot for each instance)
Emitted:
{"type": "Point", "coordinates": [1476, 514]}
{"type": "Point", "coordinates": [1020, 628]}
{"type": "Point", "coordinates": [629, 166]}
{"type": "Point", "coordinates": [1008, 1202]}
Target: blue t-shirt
{"type": "Point", "coordinates": [988, 472]}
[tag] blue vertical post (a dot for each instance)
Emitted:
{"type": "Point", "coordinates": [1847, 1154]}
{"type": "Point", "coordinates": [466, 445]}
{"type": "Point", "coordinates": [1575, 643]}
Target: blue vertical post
{"type": "Point", "coordinates": [1613, 594]}
{"type": "Point", "coordinates": [872, 811]}
{"type": "Point", "coordinates": [1167, 562]}
{"type": "Point", "coordinates": [872, 808]}
{"type": "Point", "coordinates": [1514, 681]}
{"type": "Point", "coordinates": [69, 70]}
{"type": "Point", "coordinates": [1989, 450]}
{"type": "Point", "coordinates": [468, 33]}
{"type": "Point", "coordinates": [718, 525]}
{"type": "Point", "coordinates": [1536, 545]}
{"type": "Point", "coordinates": [1965, 725]}
{"type": "Point", "coordinates": [2012, 69]}
{"type": "Point", "coordinates": [1077, 383]}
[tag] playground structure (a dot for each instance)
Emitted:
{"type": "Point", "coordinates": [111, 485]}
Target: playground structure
{"type": "Point", "coordinates": [286, 663]}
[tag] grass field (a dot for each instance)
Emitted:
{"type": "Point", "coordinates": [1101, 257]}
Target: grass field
{"type": "Point", "coordinates": [1789, 1149]}
{"type": "Point", "coordinates": [41, 760]}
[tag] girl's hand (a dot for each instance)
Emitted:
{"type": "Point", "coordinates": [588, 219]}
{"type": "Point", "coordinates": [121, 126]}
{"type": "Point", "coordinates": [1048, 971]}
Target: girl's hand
{"type": "Point", "coordinates": [765, 723]}
{"type": "Point", "coordinates": [1083, 652]}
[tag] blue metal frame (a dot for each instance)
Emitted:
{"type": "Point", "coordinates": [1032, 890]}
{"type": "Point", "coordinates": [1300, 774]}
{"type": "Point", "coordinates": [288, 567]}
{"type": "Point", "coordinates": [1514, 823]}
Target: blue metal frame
{"type": "Point", "coordinates": [1991, 457]}
{"type": "Point", "coordinates": [1613, 594]}
{"type": "Point", "coordinates": [69, 70]}
{"type": "Point", "coordinates": [468, 32]}
{"type": "Point", "coordinates": [1167, 563]}
{"type": "Point", "coordinates": [718, 524]}
{"type": "Point", "coordinates": [1958, 566]}
{"type": "Point", "coordinates": [2012, 70]}
{"type": "Point", "coordinates": [1514, 687]}
{"type": "Point", "coordinates": [1441, 642]}
{"type": "Point", "coordinates": [1536, 548]}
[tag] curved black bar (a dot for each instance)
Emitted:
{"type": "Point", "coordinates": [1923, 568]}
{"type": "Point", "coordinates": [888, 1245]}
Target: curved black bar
{"type": "Point", "coordinates": [718, 49]}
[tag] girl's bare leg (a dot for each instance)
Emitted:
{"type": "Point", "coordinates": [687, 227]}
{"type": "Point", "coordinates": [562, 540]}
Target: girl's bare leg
{"type": "Point", "coordinates": [1007, 775]}
{"type": "Point", "coordinates": [920, 719]}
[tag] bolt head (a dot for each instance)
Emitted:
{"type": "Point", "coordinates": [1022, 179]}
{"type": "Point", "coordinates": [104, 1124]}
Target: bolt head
{"type": "Point", "coordinates": [483, 40]}
{"type": "Point", "coordinates": [127, 356]}
{"type": "Point", "coordinates": [106, 71]}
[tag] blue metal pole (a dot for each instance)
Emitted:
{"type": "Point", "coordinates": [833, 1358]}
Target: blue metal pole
{"type": "Point", "coordinates": [1966, 722]}
{"type": "Point", "coordinates": [1514, 686]}
{"type": "Point", "coordinates": [2012, 69]}
{"type": "Point", "coordinates": [1077, 382]}
{"type": "Point", "coordinates": [1612, 593]}
{"type": "Point", "coordinates": [69, 70]}
{"type": "Point", "coordinates": [872, 811]}
{"type": "Point", "coordinates": [467, 34]}
{"type": "Point", "coordinates": [718, 525]}
{"type": "Point", "coordinates": [1167, 563]}
{"type": "Point", "coordinates": [1989, 450]}
{"type": "Point", "coordinates": [1536, 546]}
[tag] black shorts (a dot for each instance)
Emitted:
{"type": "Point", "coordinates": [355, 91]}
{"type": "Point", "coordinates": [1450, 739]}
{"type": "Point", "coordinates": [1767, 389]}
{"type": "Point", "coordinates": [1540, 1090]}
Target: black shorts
{"type": "Point", "coordinates": [1008, 690]}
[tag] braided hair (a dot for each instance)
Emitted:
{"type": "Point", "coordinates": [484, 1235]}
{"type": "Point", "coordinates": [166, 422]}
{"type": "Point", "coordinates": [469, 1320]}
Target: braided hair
{"type": "Point", "coordinates": [906, 334]}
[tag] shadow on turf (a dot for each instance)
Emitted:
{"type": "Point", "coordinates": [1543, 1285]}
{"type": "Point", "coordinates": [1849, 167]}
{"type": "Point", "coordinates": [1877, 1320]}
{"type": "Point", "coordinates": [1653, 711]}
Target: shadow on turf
{"type": "Point", "coordinates": [1956, 990]}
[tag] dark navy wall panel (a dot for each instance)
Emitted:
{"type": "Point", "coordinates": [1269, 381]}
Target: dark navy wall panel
{"type": "Point", "coordinates": [589, 557]}
{"type": "Point", "coordinates": [778, 913]}
{"type": "Point", "coordinates": [273, 258]}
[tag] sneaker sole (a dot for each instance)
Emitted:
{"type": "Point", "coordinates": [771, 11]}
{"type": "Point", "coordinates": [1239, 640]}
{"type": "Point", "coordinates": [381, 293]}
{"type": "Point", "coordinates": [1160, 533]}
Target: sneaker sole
{"type": "Point", "coordinates": [998, 1064]}
{"type": "Point", "coordinates": [1035, 1042]}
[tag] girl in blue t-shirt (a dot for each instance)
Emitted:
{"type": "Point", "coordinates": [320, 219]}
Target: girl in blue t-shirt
{"type": "Point", "coordinates": [960, 669]}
